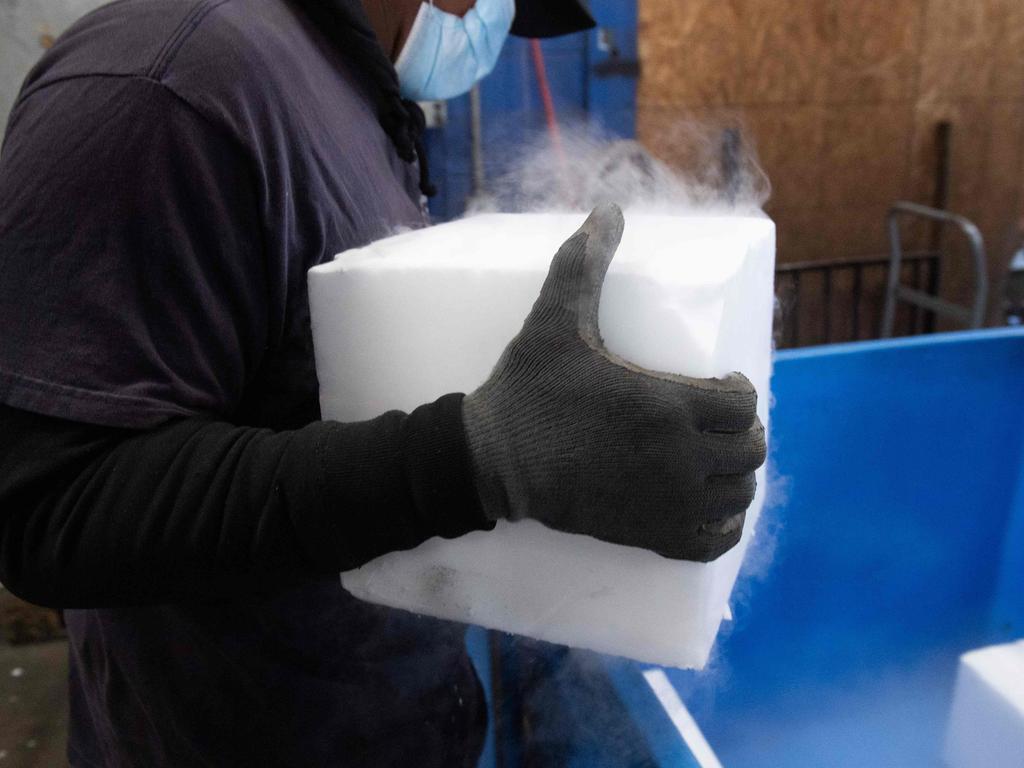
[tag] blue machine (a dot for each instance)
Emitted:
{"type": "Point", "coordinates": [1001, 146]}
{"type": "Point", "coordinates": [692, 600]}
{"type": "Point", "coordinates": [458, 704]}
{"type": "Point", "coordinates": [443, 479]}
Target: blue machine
{"type": "Point", "coordinates": [897, 544]}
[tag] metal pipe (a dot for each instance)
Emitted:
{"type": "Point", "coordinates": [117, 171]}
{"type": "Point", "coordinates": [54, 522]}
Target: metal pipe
{"type": "Point", "coordinates": [826, 276]}
{"type": "Point", "coordinates": [858, 287]}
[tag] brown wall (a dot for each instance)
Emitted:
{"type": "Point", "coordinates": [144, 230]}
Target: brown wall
{"type": "Point", "coordinates": [840, 99]}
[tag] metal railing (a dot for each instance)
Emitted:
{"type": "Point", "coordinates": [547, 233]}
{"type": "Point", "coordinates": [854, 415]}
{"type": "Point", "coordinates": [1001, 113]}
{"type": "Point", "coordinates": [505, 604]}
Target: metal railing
{"type": "Point", "coordinates": [896, 291]}
{"type": "Point", "coordinates": [812, 308]}
{"type": "Point", "coordinates": [857, 311]}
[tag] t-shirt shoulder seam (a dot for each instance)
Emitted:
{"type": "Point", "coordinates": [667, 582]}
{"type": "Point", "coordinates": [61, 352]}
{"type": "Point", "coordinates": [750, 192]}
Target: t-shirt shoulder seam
{"type": "Point", "coordinates": [44, 84]}
{"type": "Point", "coordinates": [174, 43]}
{"type": "Point", "coordinates": [160, 84]}
{"type": "Point", "coordinates": [155, 72]}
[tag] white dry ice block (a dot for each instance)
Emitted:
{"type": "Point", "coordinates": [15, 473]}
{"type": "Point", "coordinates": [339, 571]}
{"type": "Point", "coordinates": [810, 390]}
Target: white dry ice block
{"type": "Point", "coordinates": [413, 317]}
{"type": "Point", "coordinates": [986, 725]}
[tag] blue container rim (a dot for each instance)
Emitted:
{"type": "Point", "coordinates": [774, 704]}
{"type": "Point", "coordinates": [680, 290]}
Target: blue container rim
{"type": "Point", "coordinates": [935, 339]}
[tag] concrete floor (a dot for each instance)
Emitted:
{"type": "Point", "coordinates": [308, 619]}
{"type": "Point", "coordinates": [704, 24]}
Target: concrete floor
{"type": "Point", "coordinates": [33, 705]}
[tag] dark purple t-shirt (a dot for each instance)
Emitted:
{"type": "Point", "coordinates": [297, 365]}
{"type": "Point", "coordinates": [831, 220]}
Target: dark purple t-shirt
{"type": "Point", "coordinates": [171, 171]}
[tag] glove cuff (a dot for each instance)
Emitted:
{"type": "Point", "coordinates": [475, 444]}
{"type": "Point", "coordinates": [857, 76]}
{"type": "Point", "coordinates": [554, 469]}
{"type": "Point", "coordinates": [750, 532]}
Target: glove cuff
{"type": "Point", "coordinates": [439, 467]}
{"type": "Point", "coordinates": [488, 448]}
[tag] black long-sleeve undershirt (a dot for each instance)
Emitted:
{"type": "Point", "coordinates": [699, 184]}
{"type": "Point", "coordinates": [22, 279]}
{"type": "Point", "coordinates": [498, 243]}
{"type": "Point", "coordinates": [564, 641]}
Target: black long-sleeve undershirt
{"type": "Point", "coordinates": [101, 517]}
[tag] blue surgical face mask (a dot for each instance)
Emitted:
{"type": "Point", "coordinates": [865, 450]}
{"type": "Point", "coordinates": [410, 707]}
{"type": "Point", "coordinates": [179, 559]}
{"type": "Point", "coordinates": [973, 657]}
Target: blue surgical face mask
{"type": "Point", "coordinates": [446, 55]}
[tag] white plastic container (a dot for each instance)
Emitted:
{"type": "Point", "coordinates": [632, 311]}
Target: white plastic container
{"type": "Point", "coordinates": [416, 316]}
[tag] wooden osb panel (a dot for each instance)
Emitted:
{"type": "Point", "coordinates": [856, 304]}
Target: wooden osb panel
{"type": "Point", "coordinates": [783, 51]}
{"type": "Point", "coordinates": [960, 37]}
{"type": "Point", "coordinates": [798, 234]}
{"type": "Point", "coordinates": [689, 52]}
{"type": "Point", "coordinates": [874, 50]}
{"type": "Point", "coordinates": [841, 99]}
{"type": "Point", "coordinates": [687, 139]}
{"type": "Point", "coordinates": [856, 231]}
{"type": "Point", "coordinates": [790, 144]}
{"type": "Point", "coordinates": [1008, 54]}
{"type": "Point", "coordinates": [865, 157]}
{"type": "Point", "coordinates": [1004, 156]}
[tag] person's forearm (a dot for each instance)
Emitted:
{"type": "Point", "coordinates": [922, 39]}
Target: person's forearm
{"type": "Point", "coordinates": [95, 517]}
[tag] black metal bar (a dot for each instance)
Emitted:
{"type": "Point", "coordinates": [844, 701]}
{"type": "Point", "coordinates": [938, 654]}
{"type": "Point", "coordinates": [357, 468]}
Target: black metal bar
{"type": "Point", "coordinates": [940, 193]}
{"type": "Point", "coordinates": [826, 277]}
{"type": "Point", "coordinates": [858, 291]}
{"type": "Point", "coordinates": [795, 329]}
{"type": "Point", "coordinates": [870, 261]}
{"type": "Point", "coordinates": [940, 200]}
{"type": "Point", "coordinates": [876, 329]}
{"type": "Point", "coordinates": [943, 140]}
{"type": "Point", "coordinates": [934, 266]}
{"type": "Point", "coordinates": [915, 311]}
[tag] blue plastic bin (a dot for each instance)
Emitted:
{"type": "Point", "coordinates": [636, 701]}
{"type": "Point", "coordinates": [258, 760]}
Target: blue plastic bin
{"type": "Point", "coordinates": [896, 543]}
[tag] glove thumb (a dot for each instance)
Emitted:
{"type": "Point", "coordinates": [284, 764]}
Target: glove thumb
{"type": "Point", "coordinates": [573, 284]}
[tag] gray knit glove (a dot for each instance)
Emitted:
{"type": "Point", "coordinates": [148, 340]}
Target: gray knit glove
{"type": "Point", "coordinates": [567, 433]}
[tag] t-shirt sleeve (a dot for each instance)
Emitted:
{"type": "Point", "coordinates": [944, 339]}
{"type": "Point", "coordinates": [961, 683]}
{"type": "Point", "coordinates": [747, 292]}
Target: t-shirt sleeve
{"type": "Point", "coordinates": [133, 281]}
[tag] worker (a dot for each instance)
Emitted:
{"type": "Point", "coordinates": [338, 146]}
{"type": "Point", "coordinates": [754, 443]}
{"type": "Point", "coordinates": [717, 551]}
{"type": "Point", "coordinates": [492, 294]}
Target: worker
{"type": "Point", "coordinates": [171, 171]}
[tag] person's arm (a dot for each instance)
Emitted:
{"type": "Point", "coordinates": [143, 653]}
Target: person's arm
{"type": "Point", "coordinates": [140, 291]}
{"type": "Point", "coordinates": [101, 517]}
